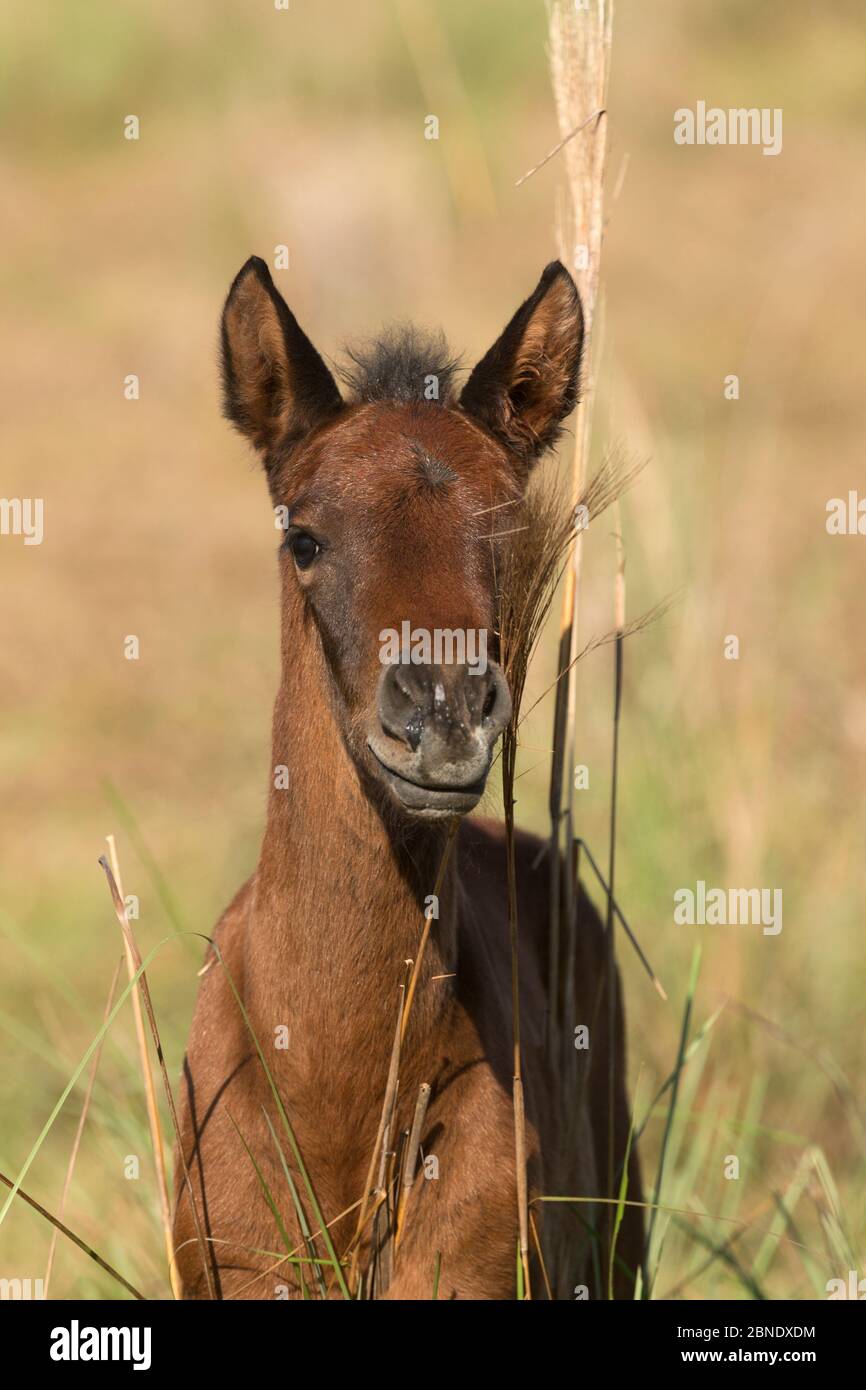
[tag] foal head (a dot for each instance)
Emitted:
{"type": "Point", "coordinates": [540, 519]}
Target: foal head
{"type": "Point", "coordinates": [392, 500]}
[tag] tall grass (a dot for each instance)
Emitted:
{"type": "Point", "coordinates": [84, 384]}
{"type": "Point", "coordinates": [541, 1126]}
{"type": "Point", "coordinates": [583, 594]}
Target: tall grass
{"type": "Point", "coordinates": [706, 1238]}
{"type": "Point", "coordinates": [580, 51]}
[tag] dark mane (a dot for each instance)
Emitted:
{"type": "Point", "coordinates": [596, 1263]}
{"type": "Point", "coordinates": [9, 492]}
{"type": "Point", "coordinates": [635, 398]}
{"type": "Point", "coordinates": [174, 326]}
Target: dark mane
{"type": "Point", "coordinates": [398, 365]}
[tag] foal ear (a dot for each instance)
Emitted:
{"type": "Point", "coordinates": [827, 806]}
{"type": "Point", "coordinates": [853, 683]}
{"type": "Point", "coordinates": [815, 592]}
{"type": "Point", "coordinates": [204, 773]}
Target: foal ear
{"type": "Point", "coordinates": [276, 388]}
{"type": "Point", "coordinates": [526, 385]}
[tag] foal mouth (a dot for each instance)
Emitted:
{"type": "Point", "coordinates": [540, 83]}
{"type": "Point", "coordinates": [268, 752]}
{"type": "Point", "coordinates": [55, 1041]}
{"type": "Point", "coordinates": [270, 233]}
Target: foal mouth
{"type": "Point", "coordinates": [431, 799]}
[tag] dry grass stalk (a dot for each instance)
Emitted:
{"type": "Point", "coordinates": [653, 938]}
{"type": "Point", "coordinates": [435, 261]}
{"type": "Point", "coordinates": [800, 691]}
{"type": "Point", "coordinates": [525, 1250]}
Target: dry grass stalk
{"type": "Point", "coordinates": [382, 1266]}
{"type": "Point", "coordinates": [509, 760]}
{"type": "Point", "coordinates": [82, 1120]}
{"type": "Point", "coordinates": [580, 845]}
{"type": "Point", "coordinates": [619, 618]}
{"type": "Point", "coordinates": [580, 46]}
{"type": "Point", "coordinates": [411, 1157]}
{"type": "Point", "coordinates": [557, 147]}
{"type": "Point", "coordinates": [522, 1177]}
{"type": "Point", "coordinates": [388, 1106]}
{"type": "Point", "coordinates": [153, 1120]}
{"type": "Point", "coordinates": [130, 943]}
{"type": "Point", "coordinates": [533, 1225]}
{"type": "Point", "coordinates": [70, 1235]}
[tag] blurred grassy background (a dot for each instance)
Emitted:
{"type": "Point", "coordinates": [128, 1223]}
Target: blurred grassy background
{"type": "Point", "coordinates": [306, 128]}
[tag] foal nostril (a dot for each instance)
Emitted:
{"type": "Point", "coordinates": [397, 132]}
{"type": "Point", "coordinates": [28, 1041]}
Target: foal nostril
{"type": "Point", "coordinates": [401, 705]}
{"type": "Point", "coordinates": [414, 729]}
{"type": "Point", "coordinates": [495, 710]}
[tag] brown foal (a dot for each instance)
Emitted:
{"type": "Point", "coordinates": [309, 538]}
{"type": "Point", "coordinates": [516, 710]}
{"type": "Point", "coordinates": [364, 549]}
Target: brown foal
{"type": "Point", "coordinates": [390, 497]}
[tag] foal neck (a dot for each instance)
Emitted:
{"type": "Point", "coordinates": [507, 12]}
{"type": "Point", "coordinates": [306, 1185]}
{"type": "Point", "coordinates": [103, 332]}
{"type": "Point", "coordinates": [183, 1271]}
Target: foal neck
{"type": "Point", "coordinates": [341, 888]}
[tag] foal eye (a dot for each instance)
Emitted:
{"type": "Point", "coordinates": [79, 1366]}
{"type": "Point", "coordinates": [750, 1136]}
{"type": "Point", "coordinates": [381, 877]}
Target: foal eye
{"type": "Point", "coordinates": [304, 548]}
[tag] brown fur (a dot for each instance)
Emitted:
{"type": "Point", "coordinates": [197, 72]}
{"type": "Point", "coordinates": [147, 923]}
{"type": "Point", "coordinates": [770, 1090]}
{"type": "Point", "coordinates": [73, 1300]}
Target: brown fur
{"type": "Point", "coordinates": [318, 938]}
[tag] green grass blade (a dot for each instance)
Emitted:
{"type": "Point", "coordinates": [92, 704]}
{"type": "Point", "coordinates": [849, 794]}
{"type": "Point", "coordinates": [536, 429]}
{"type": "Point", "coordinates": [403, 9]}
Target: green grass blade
{"type": "Point", "coordinates": [675, 1086]}
{"type": "Point", "coordinates": [620, 1205]}
{"type": "Point", "coordinates": [299, 1207]}
{"type": "Point", "coordinates": [64, 1095]}
{"type": "Point", "coordinates": [269, 1198]}
{"type": "Point", "coordinates": [287, 1125]}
